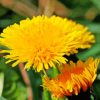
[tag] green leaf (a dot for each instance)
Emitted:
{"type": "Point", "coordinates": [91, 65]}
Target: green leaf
{"type": "Point", "coordinates": [21, 93]}
{"type": "Point", "coordinates": [96, 3]}
{"type": "Point", "coordinates": [18, 93]}
{"type": "Point", "coordinates": [96, 90]}
{"type": "Point", "coordinates": [12, 74]}
{"type": "Point", "coordinates": [36, 81]}
{"type": "Point", "coordinates": [11, 89]}
{"type": "Point", "coordinates": [3, 11]}
{"type": "Point", "coordinates": [15, 91]}
{"type": "Point", "coordinates": [1, 98]}
{"type": "Point", "coordinates": [6, 22]}
{"type": "Point", "coordinates": [90, 52]}
{"type": "Point", "coordinates": [94, 27]}
{"type": "Point", "coordinates": [3, 66]}
{"type": "Point", "coordinates": [1, 82]}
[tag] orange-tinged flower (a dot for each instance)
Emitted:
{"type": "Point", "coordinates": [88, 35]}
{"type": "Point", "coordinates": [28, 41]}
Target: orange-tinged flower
{"type": "Point", "coordinates": [43, 41]}
{"type": "Point", "coordinates": [73, 78]}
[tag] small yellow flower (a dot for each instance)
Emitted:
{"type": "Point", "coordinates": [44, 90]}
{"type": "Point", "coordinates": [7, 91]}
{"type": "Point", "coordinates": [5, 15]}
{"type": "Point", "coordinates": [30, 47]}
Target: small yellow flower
{"type": "Point", "coordinates": [43, 41]}
{"type": "Point", "coordinates": [73, 78]}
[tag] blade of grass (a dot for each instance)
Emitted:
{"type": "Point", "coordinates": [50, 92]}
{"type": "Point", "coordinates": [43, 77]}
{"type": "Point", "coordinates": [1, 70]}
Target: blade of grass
{"type": "Point", "coordinates": [1, 82]}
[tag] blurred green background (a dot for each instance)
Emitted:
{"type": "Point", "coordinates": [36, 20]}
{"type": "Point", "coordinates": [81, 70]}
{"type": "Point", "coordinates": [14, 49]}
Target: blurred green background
{"type": "Point", "coordinates": [86, 12]}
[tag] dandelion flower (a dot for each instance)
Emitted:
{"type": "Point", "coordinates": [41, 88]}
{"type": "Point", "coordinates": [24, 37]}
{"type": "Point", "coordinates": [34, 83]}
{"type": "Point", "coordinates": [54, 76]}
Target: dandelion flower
{"type": "Point", "coordinates": [42, 41]}
{"type": "Point", "coordinates": [73, 78]}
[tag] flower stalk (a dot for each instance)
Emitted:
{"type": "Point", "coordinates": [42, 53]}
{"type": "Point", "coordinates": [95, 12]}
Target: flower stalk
{"type": "Point", "coordinates": [27, 81]}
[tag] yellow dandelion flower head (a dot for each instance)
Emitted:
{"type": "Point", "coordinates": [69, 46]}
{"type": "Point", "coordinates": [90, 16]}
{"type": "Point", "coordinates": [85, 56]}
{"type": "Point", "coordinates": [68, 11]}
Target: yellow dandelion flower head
{"type": "Point", "coordinates": [73, 78]}
{"type": "Point", "coordinates": [42, 41]}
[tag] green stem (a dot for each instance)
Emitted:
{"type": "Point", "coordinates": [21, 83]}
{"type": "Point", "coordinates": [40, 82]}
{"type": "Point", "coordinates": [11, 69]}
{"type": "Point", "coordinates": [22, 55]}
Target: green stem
{"type": "Point", "coordinates": [50, 7]}
{"type": "Point", "coordinates": [55, 72]}
{"type": "Point", "coordinates": [46, 95]}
